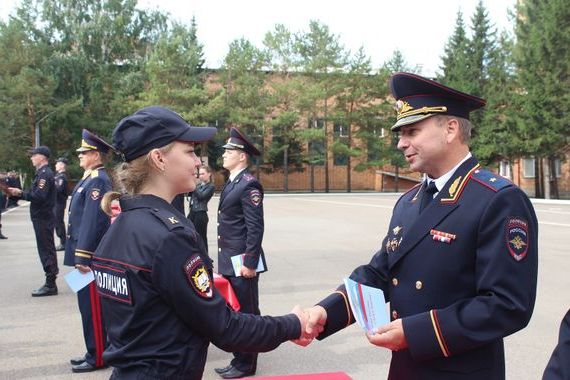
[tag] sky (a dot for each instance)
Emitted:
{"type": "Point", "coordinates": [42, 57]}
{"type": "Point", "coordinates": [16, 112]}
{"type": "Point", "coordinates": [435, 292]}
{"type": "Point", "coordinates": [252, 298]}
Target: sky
{"type": "Point", "coordinates": [418, 28]}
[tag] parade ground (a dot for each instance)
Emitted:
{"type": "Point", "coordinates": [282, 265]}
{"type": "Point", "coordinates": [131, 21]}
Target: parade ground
{"type": "Point", "coordinates": [311, 242]}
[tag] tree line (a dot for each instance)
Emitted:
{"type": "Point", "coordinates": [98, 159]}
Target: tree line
{"type": "Point", "coordinates": [76, 64]}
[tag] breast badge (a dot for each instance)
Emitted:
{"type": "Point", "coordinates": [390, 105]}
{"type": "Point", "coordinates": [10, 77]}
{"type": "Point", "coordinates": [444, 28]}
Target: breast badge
{"type": "Point", "coordinates": [516, 238]}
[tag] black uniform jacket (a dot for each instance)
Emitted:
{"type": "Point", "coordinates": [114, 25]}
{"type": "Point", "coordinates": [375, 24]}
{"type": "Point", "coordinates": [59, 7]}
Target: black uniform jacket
{"type": "Point", "coordinates": [42, 194]}
{"type": "Point", "coordinates": [558, 367]}
{"type": "Point", "coordinates": [240, 223]}
{"type": "Point", "coordinates": [86, 221]}
{"type": "Point", "coordinates": [462, 275]}
{"type": "Point", "coordinates": [61, 191]}
{"type": "Point", "coordinates": [159, 303]}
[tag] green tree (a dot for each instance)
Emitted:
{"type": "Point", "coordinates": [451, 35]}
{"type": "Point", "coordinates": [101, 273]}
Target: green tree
{"type": "Point", "coordinates": [455, 61]}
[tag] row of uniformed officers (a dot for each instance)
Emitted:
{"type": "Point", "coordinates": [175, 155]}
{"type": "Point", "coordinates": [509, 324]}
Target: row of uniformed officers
{"type": "Point", "coordinates": [458, 264]}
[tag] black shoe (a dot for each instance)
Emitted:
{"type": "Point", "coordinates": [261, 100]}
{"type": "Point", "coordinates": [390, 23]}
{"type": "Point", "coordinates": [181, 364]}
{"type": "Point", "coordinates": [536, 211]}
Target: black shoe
{"type": "Point", "coordinates": [60, 247]}
{"type": "Point", "coordinates": [45, 291]}
{"type": "Point", "coordinates": [2, 236]}
{"type": "Point", "coordinates": [234, 373]}
{"type": "Point", "coordinates": [86, 367]}
{"type": "Point", "coordinates": [77, 361]}
{"type": "Point", "coordinates": [219, 371]}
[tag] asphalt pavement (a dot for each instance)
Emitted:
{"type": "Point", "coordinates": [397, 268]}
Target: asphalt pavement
{"type": "Point", "coordinates": [311, 243]}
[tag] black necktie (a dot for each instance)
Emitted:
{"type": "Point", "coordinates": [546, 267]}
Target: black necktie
{"type": "Point", "coordinates": [427, 195]}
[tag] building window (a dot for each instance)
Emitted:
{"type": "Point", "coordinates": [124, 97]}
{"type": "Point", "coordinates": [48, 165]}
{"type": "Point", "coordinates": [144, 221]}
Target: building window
{"type": "Point", "coordinates": [505, 169]}
{"type": "Point", "coordinates": [341, 141]}
{"type": "Point", "coordinates": [528, 167]}
{"type": "Point", "coordinates": [557, 167]}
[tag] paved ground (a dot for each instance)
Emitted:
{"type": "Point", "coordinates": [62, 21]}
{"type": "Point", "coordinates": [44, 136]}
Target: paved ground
{"type": "Point", "coordinates": [312, 242]}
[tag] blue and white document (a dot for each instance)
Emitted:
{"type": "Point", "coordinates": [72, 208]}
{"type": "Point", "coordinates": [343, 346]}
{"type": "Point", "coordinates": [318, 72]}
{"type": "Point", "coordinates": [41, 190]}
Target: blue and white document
{"type": "Point", "coordinates": [368, 305]}
{"type": "Point", "coordinates": [77, 280]}
{"type": "Point", "coordinates": [237, 262]}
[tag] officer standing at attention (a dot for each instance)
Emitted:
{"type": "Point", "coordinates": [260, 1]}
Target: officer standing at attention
{"type": "Point", "coordinates": [42, 199]}
{"type": "Point", "coordinates": [459, 262]}
{"type": "Point", "coordinates": [159, 302]}
{"type": "Point", "coordinates": [61, 194]}
{"type": "Point", "coordinates": [87, 223]}
{"type": "Point", "coordinates": [240, 232]}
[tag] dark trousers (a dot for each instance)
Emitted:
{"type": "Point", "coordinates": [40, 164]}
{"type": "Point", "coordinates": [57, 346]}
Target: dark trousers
{"type": "Point", "coordinates": [93, 330]}
{"type": "Point", "coordinates": [247, 292]}
{"type": "Point", "coordinates": [46, 248]}
{"type": "Point", "coordinates": [59, 212]}
{"type": "Point", "coordinates": [200, 220]}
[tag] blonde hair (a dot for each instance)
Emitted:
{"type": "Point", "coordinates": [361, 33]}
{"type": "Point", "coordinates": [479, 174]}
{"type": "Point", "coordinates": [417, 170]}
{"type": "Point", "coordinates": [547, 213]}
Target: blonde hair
{"type": "Point", "coordinates": [129, 178]}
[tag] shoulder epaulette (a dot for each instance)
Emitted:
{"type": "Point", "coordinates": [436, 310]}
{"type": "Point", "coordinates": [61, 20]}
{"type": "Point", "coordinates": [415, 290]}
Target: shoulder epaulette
{"type": "Point", "coordinates": [491, 180]}
{"type": "Point", "coordinates": [248, 177]}
{"type": "Point", "coordinates": [167, 218]}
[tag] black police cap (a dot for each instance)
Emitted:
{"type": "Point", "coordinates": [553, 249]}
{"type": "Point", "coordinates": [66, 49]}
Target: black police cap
{"type": "Point", "coordinates": [238, 140]}
{"type": "Point", "coordinates": [154, 127]}
{"type": "Point", "coordinates": [42, 149]}
{"type": "Point", "coordinates": [90, 141]}
{"type": "Point", "coordinates": [62, 160]}
{"type": "Point", "coordinates": [419, 98]}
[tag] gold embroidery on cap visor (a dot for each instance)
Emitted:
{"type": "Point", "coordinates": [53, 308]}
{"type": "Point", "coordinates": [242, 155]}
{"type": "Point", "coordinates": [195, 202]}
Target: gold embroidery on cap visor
{"type": "Point", "coordinates": [84, 147]}
{"type": "Point", "coordinates": [406, 114]}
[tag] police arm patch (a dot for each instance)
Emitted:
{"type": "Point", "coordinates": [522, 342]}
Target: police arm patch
{"type": "Point", "coordinates": [255, 197]}
{"type": "Point", "coordinates": [42, 183]}
{"type": "Point", "coordinates": [112, 283]}
{"type": "Point", "coordinates": [95, 194]}
{"type": "Point", "coordinates": [516, 237]}
{"type": "Point", "coordinates": [198, 276]}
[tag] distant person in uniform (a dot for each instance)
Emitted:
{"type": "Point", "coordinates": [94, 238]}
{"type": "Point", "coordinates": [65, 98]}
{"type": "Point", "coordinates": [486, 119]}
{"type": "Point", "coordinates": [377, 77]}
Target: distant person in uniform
{"type": "Point", "coordinates": [459, 262]}
{"type": "Point", "coordinates": [87, 223]}
{"type": "Point", "coordinates": [159, 302]}
{"type": "Point", "coordinates": [13, 180]}
{"type": "Point", "coordinates": [558, 367]}
{"type": "Point", "coordinates": [199, 203]}
{"type": "Point", "coordinates": [61, 194]}
{"type": "Point", "coordinates": [240, 232]}
{"type": "Point", "coordinates": [42, 199]}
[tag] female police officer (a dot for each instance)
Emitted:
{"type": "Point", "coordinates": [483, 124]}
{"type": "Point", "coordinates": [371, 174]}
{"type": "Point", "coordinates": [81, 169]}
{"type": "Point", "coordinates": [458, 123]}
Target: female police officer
{"type": "Point", "coordinates": [152, 270]}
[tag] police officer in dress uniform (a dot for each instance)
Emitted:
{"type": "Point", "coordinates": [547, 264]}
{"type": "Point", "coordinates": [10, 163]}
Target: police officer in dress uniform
{"type": "Point", "coordinates": [42, 199]}
{"type": "Point", "coordinates": [61, 194]}
{"type": "Point", "coordinates": [459, 262]}
{"type": "Point", "coordinates": [240, 232]}
{"type": "Point", "coordinates": [159, 302]}
{"type": "Point", "coordinates": [87, 223]}
{"type": "Point", "coordinates": [558, 367]}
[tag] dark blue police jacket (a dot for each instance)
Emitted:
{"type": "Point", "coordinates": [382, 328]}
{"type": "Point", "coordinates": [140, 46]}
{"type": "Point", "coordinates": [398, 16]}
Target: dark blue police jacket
{"type": "Point", "coordinates": [461, 275]}
{"type": "Point", "coordinates": [42, 194]}
{"type": "Point", "coordinates": [61, 191]}
{"type": "Point", "coordinates": [240, 223]}
{"type": "Point", "coordinates": [158, 298]}
{"type": "Point", "coordinates": [86, 221]}
{"type": "Point", "coordinates": [558, 367]}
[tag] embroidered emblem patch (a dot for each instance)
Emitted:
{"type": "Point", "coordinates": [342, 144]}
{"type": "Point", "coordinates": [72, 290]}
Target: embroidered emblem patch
{"type": "Point", "coordinates": [198, 276]}
{"type": "Point", "coordinates": [42, 183]}
{"type": "Point", "coordinates": [516, 237]}
{"type": "Point", "coordinates": [255, 197]}
{"type": "Point", "coordinates": [95, 194]}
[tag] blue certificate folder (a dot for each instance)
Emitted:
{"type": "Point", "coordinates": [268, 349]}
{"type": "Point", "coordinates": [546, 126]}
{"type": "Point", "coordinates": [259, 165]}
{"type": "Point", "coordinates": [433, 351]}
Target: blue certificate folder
{"type": "Point", "coordinates": [367, 304]}
{"type": "Point", "coordinates": [77, 280]}
{"type": "Point", "coordinates": [237, 262]}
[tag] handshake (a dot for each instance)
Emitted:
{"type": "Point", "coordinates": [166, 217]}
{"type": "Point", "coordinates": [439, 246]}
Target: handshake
{"type": "Point", "coordinates": [312, 320]}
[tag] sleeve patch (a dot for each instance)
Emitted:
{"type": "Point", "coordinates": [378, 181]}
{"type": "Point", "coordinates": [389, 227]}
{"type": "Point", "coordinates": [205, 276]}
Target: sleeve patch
{"type": "Point", "coordinates": [42, 183]}
{"type": "Point", "coordinates": [255, 197]}
{"type": "Point", "coordinates": [112, 283]}
{"type": "Point", "coordinates": [516, 237]}
{"type": "Point", "coordinates": [95, 194]}
{"type": "Point", "coordinates": [198, 277]}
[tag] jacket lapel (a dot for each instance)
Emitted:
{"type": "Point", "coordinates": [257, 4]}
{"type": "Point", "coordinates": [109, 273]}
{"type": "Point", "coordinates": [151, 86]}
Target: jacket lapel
{"type": "Point", "coordinates": [228, 187]}
{"type": "Point", "coordinates": [444, 204]}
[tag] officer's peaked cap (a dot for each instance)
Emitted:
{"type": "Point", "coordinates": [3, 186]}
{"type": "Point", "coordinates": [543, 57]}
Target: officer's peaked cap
{"type": "Point", "coordinates": [154, 127]}
{"type": "Point", "coordinates": [239, 141]}
{"type": "Point", "coordinates": [62, 159]}
{"type": "Point", "coordinates": [418, 98]}
{"type": "Point", "coordinates": [90, 141]}
{"type": "Point", "coordinates": [42, 149]}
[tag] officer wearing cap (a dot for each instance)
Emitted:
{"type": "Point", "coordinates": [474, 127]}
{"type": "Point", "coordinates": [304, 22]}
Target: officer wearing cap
{"type": "Point", "coordinates": [61, 194]}
{"type": "Point", "coordinates": [87, 223]}
{"type": "Point", "coordinates": [459, 261]}
{"type": "Point", "coordinates": [240, 232]}
{"type": "Point", "coordinates": [158, 299]}
{"type": "Point", "coordinates": [42, 201]}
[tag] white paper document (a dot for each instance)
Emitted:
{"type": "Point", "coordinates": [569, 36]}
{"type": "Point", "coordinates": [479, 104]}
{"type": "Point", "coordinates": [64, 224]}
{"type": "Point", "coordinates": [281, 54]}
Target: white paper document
{"type": "Point", "coordinates": [77, 280]}
{"type": "Point", "coordinates": [367, 304]}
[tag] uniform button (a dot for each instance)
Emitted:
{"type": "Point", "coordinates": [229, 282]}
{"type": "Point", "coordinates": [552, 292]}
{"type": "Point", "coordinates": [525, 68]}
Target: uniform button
{"type": "Point", "coordinates": [219, 250]}
{"type": "Point", "coordinates": [219, 212]}
{"type": "Point", "coordinates": [218, 224]}
{"type": "Point", "coordinates": [394, 314]}
{"type": "Point", "coordinates": [395, 281]}
{"type": "Point", "coordinates": [218, 237]}
{"type": "Point", "coordinates": [419, 285]}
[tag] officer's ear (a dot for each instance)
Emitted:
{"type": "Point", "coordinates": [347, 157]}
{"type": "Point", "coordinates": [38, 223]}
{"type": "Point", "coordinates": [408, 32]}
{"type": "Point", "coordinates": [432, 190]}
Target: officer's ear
{"type": "Point", "coordinates": [156, 159]}
{"type": "Point", "coordinates": [452, 130]}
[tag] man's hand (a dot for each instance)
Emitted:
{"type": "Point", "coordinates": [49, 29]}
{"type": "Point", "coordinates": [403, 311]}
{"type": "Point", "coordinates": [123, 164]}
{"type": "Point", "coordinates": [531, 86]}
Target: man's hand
{"type": "Point", "coordinates": [83, 268]}
{"type": "Point", "coordinates": [312, 323]}
{"type": "Point", "coordinates": [247, 272]}
{"type": "Point", "coordinates": [390, 336]}
{"type": "Point", "coordinates": [14, 191]}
